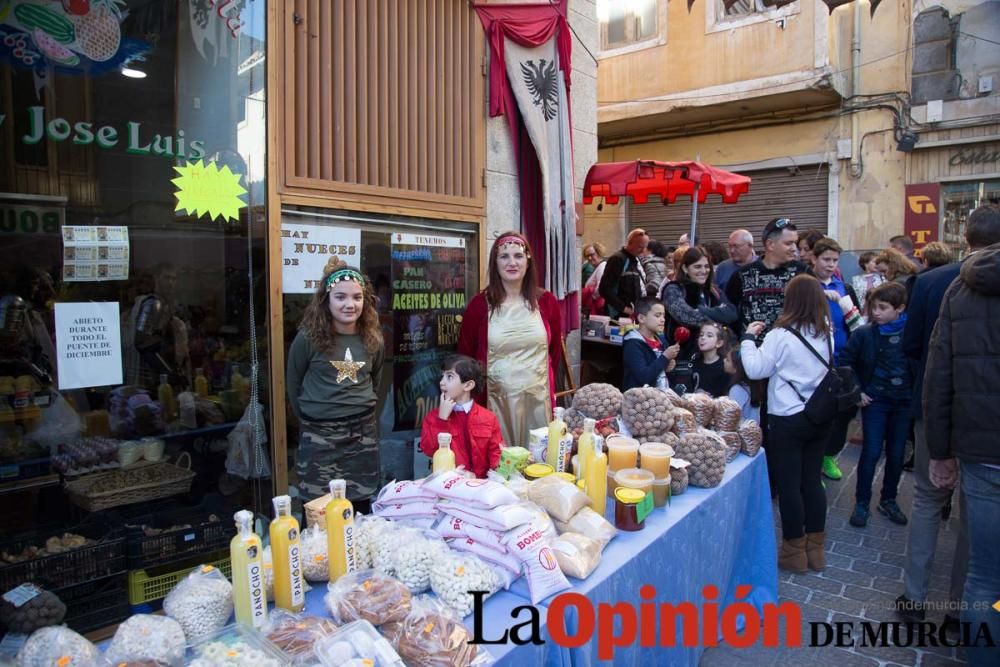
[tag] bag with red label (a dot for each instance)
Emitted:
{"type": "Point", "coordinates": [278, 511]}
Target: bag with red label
{"type": "Point", "coordinates": [451, 527]}
{"type": "Point", "coordinates": [530, 544]}
{"type": "Point", "coordinates": [471, 492]}
{"type": "Point", "coordinates": [401, 493]}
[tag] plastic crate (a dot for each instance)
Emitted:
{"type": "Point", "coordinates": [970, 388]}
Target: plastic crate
{"type": "Point", "coordinates": [146, 586]}
{"type": "Point", "coordinates": [145, 551]}
{"type": "Point", "coordinates": [96, 604]}
{"type": "Point", "coordinates": [76, 566]}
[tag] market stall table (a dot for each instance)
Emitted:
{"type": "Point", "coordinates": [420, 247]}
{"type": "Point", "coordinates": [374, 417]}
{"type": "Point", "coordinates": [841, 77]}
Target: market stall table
{"type": "Point", "coordinates": [722, 537]}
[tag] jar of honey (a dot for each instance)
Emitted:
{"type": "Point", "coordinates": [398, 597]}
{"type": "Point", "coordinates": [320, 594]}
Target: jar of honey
{"type": "Point", "coordinates": [635, 478]}
{"type": "Point", "coordinates": [627, 509]}
{"type": "Point", "coordinates": [661, 492]}
{"type": "Point", "coordinates": [655, 457]}
{"type": "Point", "coordinates": [622, 452]}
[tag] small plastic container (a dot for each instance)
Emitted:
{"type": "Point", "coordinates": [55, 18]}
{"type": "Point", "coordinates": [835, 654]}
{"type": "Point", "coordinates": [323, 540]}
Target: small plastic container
{"type": "Point", "coordinates": [152, 449]}
{"type": "Point", "coordinates": [612, 484]}
{"type": "Point", "coordinates": [235, 645]}
{"type": "Point", "coordinates": [622, 452]}
{"type": "Point", "coordinates": [355, 644]}
{"type": "Point", "coordinates": [635, 478]}
{"type": "Point", "coordinates": [537, 471]}
{"type": "Point", "coordinates": [661, 492]}
{"type": "Point", "coordinates": [627, 509]}
{"type": "Point", "coordinates": [655, 457]}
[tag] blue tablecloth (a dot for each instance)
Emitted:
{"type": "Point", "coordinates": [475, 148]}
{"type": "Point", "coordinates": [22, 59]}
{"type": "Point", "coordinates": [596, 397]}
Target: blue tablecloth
{"type": "Point", "coordinates": [722, 536]}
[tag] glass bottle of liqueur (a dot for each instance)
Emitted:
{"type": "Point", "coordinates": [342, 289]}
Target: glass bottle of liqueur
{"type": "Point", "coordinates": [444, 458]}
{"type": "Point", "coordinates": [560, 443]}
{"type": "Point", "coordinates": [245, 555]}
{"type": "Point", "coordinates": [200, 383]}
{"type": "Point", "coordinates": [286, 555]}
{"type": "Point", "coordinates": [340, 531]}
{"type": "Point", "coordinates": [168, 404]}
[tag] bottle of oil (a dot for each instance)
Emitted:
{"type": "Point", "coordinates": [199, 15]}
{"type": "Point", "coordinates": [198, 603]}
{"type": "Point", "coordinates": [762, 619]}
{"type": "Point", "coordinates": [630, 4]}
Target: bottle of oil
{"type": "Point", "coordinates": [168, 405]}
{"type": "Point", "coordinates": [245, 552]}
{"type": "Point", "coordinates": [444, 458]}
{"type": "Point", "coordinates": [289, 591]}
{"type": "Point", "coordinates": [340, 531]}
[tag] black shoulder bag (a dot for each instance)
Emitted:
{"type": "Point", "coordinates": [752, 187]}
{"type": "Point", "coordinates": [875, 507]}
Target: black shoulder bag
{"type": "Point", "coordinates": [837, 392]}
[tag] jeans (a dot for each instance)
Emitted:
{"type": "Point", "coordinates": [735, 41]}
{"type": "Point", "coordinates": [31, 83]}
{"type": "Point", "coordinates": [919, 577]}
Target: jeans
{"type": "Point", "coordinates": [796, 446]}
{"type": "Point", "coordinates": [925, 519]}
{"type": "Point", "coordinates": [981, 487]}
{"type": "Point", "coordinates": [884, 420]}
{"type": "Point", "coordinates": [838, 432]}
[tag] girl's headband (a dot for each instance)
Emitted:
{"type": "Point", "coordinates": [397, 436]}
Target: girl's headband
{"type": "Point", "coordinates": [341, 275]}
{"type": "Point", "coordinates": [504, 240]}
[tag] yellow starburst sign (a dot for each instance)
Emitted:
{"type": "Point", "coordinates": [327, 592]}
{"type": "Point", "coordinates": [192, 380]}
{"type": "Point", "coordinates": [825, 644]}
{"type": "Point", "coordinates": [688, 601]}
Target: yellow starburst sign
{"type": "Point", "coordinates": [205, 187]}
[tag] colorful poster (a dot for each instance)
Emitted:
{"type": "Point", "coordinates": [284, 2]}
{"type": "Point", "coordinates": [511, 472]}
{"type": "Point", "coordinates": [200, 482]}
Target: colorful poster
{"type": "Point", "coordinates": [428, 299]}
{"type": "Point", "coordinates": [88, 345]}
{"type": "Point", "coordinates": [305, 250]}
{"type": "Point", "coordinates": [95, 253]}
{"type": "Point", "coordinates": [921, 217]}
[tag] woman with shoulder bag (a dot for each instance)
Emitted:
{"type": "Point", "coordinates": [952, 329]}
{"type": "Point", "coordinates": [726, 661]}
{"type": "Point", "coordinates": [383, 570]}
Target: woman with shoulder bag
{"type": "Point", "coordinates": [795, 442]}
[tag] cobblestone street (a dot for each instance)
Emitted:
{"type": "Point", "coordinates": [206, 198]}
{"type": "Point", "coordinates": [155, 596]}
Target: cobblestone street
{"type": "Point", "coordinates": [864, 575]}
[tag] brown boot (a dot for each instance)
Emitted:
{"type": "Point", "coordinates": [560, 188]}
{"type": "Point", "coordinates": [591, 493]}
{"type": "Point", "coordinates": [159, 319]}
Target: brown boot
{"type": "Point", "coordinates": [792, 555]}
{"type": "Point", "coordinates": [816, 551]}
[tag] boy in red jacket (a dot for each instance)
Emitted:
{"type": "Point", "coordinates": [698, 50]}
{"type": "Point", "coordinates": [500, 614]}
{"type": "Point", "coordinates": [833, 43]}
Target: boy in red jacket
{"type": "Point", "coordinates": [475, 431]}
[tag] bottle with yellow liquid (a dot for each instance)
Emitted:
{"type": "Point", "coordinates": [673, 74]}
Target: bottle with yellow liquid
{"type": "Point", "coordinates": [340, 531]}
{"type": "Point", "coordinates": [444, 458]}
{"type": "Point", "coordinates": [245, 553]}
{"type": "Point", "coordinates": [596, 481]}
{"type": "Point", "coordinates": [585, 448]}
{"type": "Point", "coordinates": [289, 591]}
{"type": "Point", "coordinates": [200, 383]}
{"type": "Point", "coordinates": [239, 384]}
{"type": "Point", "coordinates": [560, 443]}
{"type": "Point", "coordinates": [165, 394]}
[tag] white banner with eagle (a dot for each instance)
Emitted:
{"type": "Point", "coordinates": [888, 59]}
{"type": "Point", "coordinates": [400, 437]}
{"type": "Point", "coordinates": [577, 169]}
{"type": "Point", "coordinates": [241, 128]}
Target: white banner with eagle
{"type": "Point", "coordinates": [540, 91]}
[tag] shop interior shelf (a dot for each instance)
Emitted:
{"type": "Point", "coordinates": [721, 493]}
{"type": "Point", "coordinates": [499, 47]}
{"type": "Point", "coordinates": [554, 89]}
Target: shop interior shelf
{"type": "Point", "coordinates": [101, 558]}
{"type": "Point", "coordinates": [145, 586]}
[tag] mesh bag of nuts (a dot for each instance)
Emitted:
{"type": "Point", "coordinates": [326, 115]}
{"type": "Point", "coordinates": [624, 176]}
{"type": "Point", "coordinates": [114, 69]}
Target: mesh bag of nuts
{"type": "Point", "coordinates": [707, 457]}
{"type": "Point", "coordinates": [751, 437]}
{"type": "Point", "coordinates": [598, 400]}
{"type": "Point", "coordinates": [676, 399]}
{"type": "Point", "coordinates": [647, 411]}
{"type": "Point", "coordinates": [667, 438]}
{"type": "Point", "coordinates": [678, 479]}
{"type": "Point", "coordinates": [727, 414]}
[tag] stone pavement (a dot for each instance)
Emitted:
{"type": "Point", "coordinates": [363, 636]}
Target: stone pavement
{"type": "Point", "coordinates": [864, 575]}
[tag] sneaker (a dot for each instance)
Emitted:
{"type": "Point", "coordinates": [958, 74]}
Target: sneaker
{"type": "Point", "coordinates": [891, 510]}
{"type": "Point", "coordinates": [908, 609]}
{"type": "Point", "coordinates": [830, 468]}
{"type": "Point", "coordinates": [859, 518]}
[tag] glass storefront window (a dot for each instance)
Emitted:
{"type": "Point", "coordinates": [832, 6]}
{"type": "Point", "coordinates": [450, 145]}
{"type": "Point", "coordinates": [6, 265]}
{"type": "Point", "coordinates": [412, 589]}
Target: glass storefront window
{"type": "Point", "coordinates": [423, 272]}
{"type": "Point", "coordinates": [961, 199]}
{"type": "Point", "coordinates": [132, 244]}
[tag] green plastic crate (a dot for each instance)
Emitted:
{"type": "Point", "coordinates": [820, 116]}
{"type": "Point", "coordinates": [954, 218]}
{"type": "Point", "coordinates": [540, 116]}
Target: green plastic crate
{"type": "Point", "coordinates": [153, 584]}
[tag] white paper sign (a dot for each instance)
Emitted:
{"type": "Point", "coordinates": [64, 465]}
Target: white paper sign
{"type": "Point", "coordinates": [88, 344]}
{"type": "Point", "coordinates": [305, 250]}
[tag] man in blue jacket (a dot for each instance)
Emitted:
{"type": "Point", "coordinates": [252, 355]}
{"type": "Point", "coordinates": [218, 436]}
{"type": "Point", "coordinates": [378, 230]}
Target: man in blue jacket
{"type": "Point", "coordinates": [982, 230]}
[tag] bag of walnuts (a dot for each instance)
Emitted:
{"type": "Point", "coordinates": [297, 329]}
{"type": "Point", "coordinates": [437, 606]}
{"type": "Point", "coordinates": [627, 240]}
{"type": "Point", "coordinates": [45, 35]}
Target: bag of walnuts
{"type": "Point", "coordinates": [668, 438]}
{"type": "Point", "coordinates": [678, 476]}
{"type": "Point", "coordinates": [751, 437]}
{"type": "Point", "coordinates": [733, 444]}
{"type": "Point", "coordinates": [646, 411]}
{"type": "Point", "coordinates": [684, 422]}
{"type": "Point", "coordinates": [727, 414]}
{"type": "Point", "coordinates": [598, 401]}
{"type": "Point", "coordinates": [702, 406]}
{"type": "Point", "coordinates": [707, 457]}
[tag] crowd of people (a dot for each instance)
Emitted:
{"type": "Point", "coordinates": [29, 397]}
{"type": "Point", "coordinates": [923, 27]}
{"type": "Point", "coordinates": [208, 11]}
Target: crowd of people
{"type": "Point", "coordinates": [914, 343]}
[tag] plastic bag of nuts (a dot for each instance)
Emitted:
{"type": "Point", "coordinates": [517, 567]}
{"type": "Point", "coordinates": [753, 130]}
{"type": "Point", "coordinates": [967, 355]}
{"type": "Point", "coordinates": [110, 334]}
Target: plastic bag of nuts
{"type": "Point", "coordinates": [296, 634]}
{"type": "Point", "coordinates": [27, 607]}
{"type": "Point", "coordinates": [733, 444]}
{"type": "Point", "coordinates": [678, 476]}
{"type": "Point", "coordinates": [58, 645]}
{"type": "Point", "coordinates": [368, 595]}
{"type": "Point", "coordinates": [201, 602]}
{"type": "Point", "coordinates": [432, 635]}
{"type": "Point", "coordinates": [456, 574]}
{"type": "Point", "coordinates": [751, 437]}
{"type": "Point", "coordinates": [702, 406]}
{"type": "Point", "coordinates": [727, 414]}
{"type": "Point", "coordinates": [684, 422]}
{"type": "Point", "coordinates": [147, 638]}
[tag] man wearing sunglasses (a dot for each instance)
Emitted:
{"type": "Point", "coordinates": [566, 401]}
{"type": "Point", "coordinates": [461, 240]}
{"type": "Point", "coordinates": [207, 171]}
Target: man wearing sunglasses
{"type": "Point", "coordinates": [757, 290]}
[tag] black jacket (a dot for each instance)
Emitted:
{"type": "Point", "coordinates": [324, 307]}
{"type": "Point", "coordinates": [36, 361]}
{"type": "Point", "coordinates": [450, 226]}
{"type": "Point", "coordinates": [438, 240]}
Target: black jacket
{"type": "Point", "coordinates": [962, 388]}
{"type": "Point", "coordinates": [923, 305]}
{"type": "Point", "coordinates": [622, 283]}
{"type": "Point", "coordinates": [642, 364]}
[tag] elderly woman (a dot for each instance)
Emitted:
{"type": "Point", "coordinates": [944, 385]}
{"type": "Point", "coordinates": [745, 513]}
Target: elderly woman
{"type": "Point", "coordinates": [593, 257]}
{"type": "Point", "coordinates": [514, 328]}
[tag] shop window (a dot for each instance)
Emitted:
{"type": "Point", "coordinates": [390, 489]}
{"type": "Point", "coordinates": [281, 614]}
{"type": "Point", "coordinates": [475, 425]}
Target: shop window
{"type": "Point", "coordinates": [629, 24]}
{"type": "Point", "coordinates": [131, 294]}
{"type": "Point", "coordinates": [728, 14]}
{"type": "Point", "coordinates": [961, 199]}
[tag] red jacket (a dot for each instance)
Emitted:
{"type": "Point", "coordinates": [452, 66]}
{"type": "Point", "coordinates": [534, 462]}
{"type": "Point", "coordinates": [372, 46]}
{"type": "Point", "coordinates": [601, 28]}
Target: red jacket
{"type": "Point", "coordinates": [473, 338]}
{"type": "Point", "coordinates": [484, 431]}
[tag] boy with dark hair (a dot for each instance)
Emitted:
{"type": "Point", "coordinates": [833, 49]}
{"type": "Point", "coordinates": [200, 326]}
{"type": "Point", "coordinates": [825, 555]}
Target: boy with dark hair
{"type": "Point", "coordinates": [475, 431]}
{"type": "Point", "coordinates": [644, 351]}
{"type": "Point", "coordinates": [875, 351]}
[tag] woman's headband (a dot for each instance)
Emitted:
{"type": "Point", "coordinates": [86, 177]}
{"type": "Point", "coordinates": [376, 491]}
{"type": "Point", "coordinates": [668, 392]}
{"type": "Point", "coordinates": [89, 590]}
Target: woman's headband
{"type": "Point", "coordinates": [504, 240]}
{"type": "Point", "coordinates": [341, 275]}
